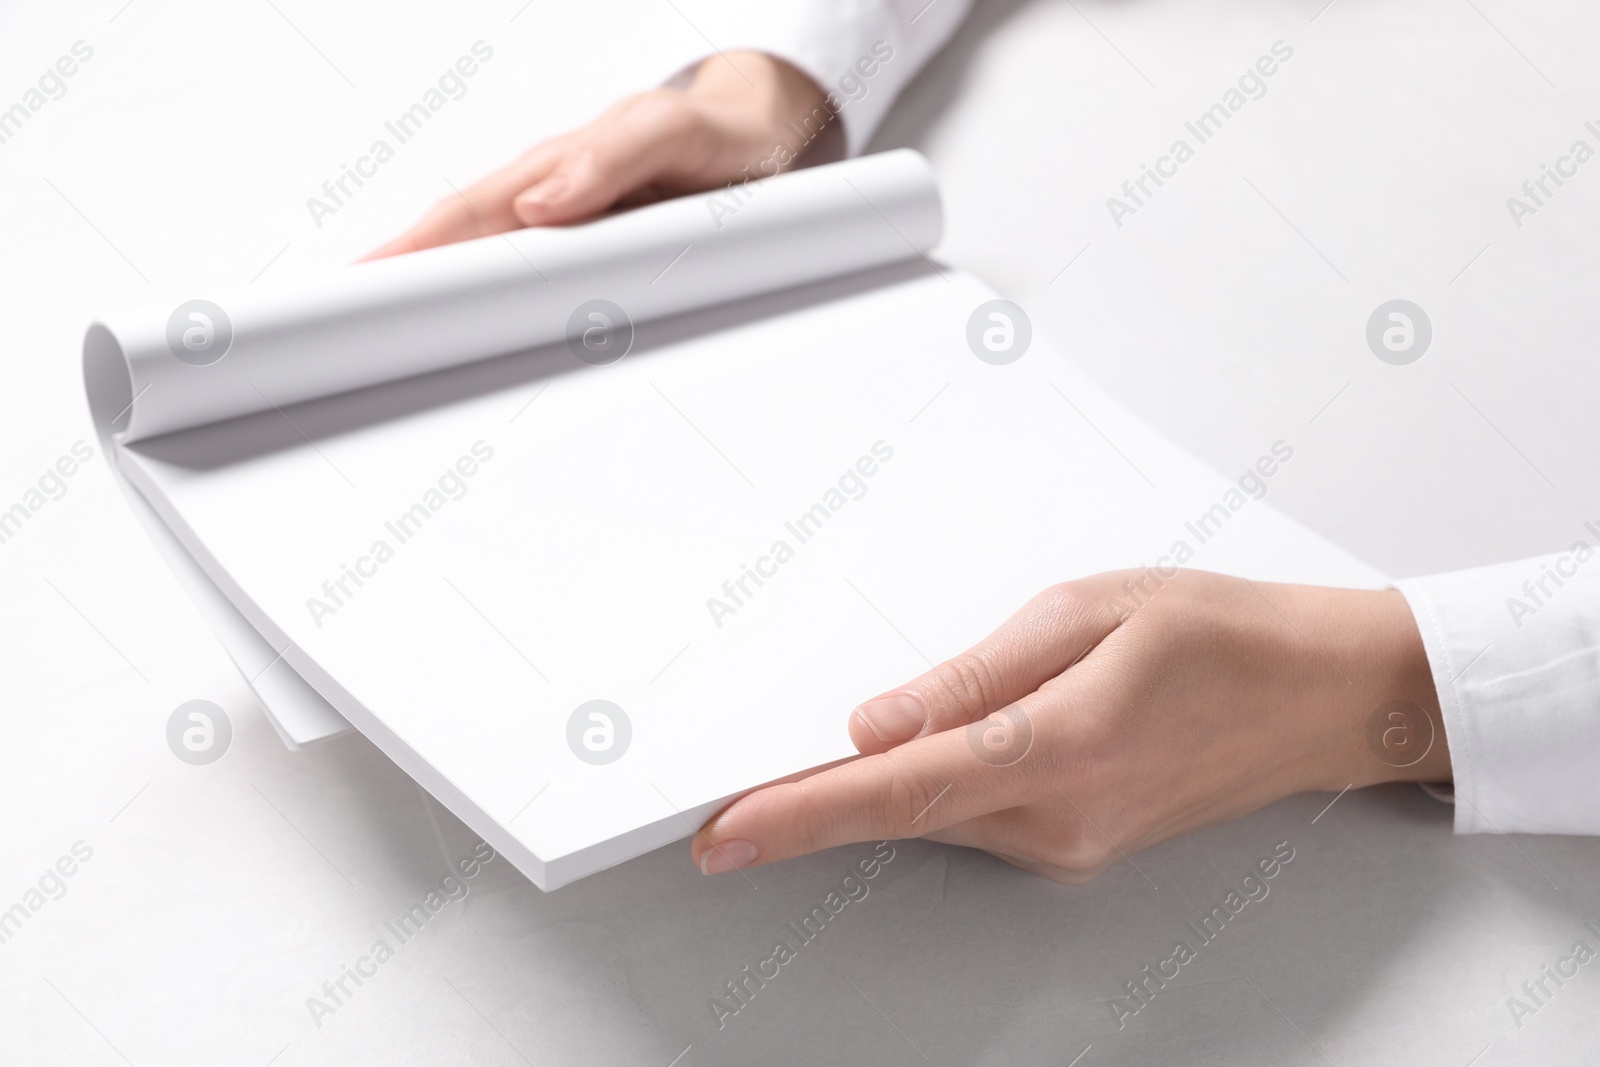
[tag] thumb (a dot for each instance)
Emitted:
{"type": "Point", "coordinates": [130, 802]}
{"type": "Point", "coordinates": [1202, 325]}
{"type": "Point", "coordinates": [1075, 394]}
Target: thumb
{"type": "Point", "coordinates": [1049, 634]}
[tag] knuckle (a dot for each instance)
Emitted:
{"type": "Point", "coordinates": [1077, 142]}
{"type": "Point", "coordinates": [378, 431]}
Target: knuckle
{"type": "Point", "coordinates": [908, 804]}
{"type": "Point", "coordinates": [1062, 600]}
{"type": "Point", "coordinates": [1098, 603]}
{"type": "Point", "coordinates": [1084, 854]}
{"type": "Point", "coordinates": [1066, 607]}
{"type": "Point", "coordinates": [970, 680]}
{"type": "Point", "coordinates": [584, 160]}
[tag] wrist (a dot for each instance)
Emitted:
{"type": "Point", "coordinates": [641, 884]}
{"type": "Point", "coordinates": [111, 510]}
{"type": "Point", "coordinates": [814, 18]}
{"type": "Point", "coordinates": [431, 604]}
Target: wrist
{"type": "Point", "coordinates": [1381, 708]}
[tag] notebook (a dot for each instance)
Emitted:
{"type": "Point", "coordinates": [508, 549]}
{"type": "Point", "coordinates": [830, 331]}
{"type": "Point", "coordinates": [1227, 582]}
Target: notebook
{"type": "Point", "coordinates": [592, 529]}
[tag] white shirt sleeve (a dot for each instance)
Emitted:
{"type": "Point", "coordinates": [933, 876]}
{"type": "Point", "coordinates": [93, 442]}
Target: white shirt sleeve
{"type": "Point", "coordinates": [1515, 654]}
{"type": "Point", "coordinates": [861, 52]}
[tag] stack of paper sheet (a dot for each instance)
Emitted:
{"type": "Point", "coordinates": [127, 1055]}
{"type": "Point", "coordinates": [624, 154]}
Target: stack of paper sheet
{"type": "Point", "coordinates": [591, 529]}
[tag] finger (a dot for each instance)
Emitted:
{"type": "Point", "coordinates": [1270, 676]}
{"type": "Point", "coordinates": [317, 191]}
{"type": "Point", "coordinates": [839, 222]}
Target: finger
{"type": "Point", "coordinates": [395, 246]}
{"type": "Point", "coordinates": [915, 789]}
{"type": "Point", "coordinates": [462, 216]}
{"type": "Point", "coordinates": [625, 151]}
{"type": "Point", "coordinates": [481, 209]}
{"type": "Point", "coordinates": [1052, 632]}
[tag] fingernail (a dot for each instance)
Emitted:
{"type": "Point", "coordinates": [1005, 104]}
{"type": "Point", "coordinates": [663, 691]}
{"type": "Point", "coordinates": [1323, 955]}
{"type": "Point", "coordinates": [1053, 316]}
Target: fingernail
{"type": "Point", "coordinates": [895, 718]}
{"type": "Point", "coordinates": [726, 856]}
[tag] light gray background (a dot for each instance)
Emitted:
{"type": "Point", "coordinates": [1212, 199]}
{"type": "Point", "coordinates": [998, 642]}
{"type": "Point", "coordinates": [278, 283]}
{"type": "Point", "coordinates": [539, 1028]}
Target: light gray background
{"type": "Point", "coordinates": [1230, 312]}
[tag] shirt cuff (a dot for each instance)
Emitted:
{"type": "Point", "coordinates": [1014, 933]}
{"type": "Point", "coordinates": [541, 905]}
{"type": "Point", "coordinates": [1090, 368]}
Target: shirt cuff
{"type": "Point", "coordinates": [862, 53]}
{"type": "Point", "coordinates": [1515, 654]}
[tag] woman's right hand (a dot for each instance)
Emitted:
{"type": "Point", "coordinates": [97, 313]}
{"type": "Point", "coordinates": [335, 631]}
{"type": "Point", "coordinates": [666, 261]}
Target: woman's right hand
{"type": "Point", "coordinates": [743, 115]}
{"type": "Point", "coordinates": [1108, 715]}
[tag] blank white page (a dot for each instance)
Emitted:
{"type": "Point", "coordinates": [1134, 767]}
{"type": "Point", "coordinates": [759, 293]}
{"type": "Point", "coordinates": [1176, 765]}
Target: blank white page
{"type": "Point", "coordinates": [608, 505]}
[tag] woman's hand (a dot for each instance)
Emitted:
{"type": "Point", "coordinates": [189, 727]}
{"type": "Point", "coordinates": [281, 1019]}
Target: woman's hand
{"type": "Point", "coordinates": [1111, 713]}
{"type": "Point", "coordinates": [743, 116]}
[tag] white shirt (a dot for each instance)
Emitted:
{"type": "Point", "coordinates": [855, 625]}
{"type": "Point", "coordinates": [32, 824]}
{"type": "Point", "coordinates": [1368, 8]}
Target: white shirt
{"type": "Point", "coordinates": [1514, 648]}
{"type": "Point", "coordinates": [1515, 654]}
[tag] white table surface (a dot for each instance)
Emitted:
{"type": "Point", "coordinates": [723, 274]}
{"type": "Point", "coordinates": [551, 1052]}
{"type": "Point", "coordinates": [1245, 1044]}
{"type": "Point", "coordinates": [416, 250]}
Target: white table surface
{"type": "Point", "coordinates": [1230, 311]}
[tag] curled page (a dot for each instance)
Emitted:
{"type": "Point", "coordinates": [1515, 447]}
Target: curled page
{"type": "Point", "coordinates": [162, 369]}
